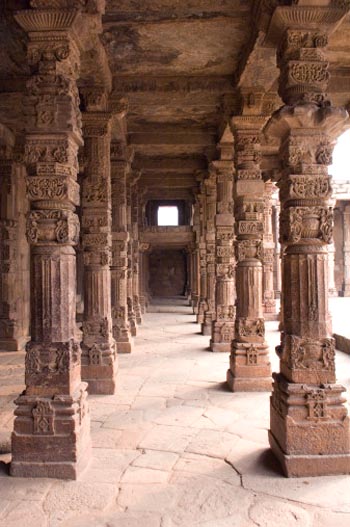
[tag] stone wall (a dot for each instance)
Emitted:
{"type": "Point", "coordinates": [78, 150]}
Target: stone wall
{"type": "Point", "coordinates": [167, 272]}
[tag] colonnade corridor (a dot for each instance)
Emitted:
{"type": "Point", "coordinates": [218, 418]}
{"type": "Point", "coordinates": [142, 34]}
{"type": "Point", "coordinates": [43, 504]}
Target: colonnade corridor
{"type": "Point", "coordinates": [173, 447]}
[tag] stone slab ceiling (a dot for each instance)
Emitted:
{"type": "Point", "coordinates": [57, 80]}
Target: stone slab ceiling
{"type": "Point", "coordinates": [178, 63]}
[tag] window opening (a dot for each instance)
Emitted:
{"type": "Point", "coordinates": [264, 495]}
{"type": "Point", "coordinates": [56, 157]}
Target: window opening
{"type": "Point", "coordinates": [340, 167]}
{"type": "Point", "coordinates": [168, 216]}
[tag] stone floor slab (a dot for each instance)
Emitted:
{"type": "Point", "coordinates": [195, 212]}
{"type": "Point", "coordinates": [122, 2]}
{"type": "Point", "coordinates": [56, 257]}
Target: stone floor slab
{"type": "Point", "coordinates": [173, 447]}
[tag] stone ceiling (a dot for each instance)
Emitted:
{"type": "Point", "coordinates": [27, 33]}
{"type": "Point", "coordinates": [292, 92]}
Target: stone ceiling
{"type": "Point", "coordinates": [179, 65]}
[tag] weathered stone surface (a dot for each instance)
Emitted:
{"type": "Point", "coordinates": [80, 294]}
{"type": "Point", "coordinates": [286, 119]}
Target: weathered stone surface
{"type": "Point", "coordinates": [214, 477]}
{"type": "Point", "coordinates": [67, 500]}
{"type": "Point", "coordinates": [270, 512]}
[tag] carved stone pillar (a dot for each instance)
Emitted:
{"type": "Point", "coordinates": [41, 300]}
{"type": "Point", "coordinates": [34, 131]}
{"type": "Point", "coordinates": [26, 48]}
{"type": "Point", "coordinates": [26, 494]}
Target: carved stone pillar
{"type": "Point", "coordinates": [99, 355]}
{"type": "Point", "coordinates": [269, 302]}
{"type": "Point", "coordinates": [223, 326]}
{"type": "Point", "coordinates": [120, 238]}
{"type": "Point", "coordinates": [130, 280]}
{"type": "Point", "coordinates": [277, 261]}
{"type": "Point", "coordinates": [135, 253]}
{"type": "Point", "coordinates": [209, 313]}
{"type": "Point", "coordinates": [346, 249]}
{"type": "Point", "coordinates": [309, 427]}
{"type": "Point", "coordinates": [249, 362]}
{"type": "Point", "coordinates": [51, 435]}
{"type": "Point", "coordinates": [202, 256]}
{"type": "Point", "coordinates": [14, 254]}
{"type": "Point", "coordinates": [195, 260]}
{"type": "Point", "coordinates": [144, 247]}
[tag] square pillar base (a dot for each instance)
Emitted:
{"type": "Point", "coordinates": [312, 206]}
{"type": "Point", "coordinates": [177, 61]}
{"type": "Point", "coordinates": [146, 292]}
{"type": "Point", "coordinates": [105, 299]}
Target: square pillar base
{"type": "Point", "coordinates": [206, 328]}
{"type": "Point", "coordinates": [248, 384]}
{"type": "Point", "coordinates": [309, 428]}
{"type": "Point", "coordinates": [299, 466]}
{"type": "Point", "coordinates": [101, 379]}
{"type": "Point", "coordinates": [125, 346]}
{"type": "Point", "coordinates": [51, 437]}
{"type": "Point", "coordinates": [13, 344]}
{"type": "Point", "coordinates": [220, 346]}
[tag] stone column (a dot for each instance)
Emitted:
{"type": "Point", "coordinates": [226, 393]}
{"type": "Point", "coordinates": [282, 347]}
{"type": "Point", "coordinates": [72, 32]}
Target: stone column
{"type": "Point", "coordinates": [195, 260]}
{"type": "Point", "coordinates": [269, 302]}
{"type": "Point", "coordinates": [135, 252]}
{"type": "Point", "coordinates": [14, 254]}
{"type": "Point", "coordinates": [249, 362]}
{"type": "Point", "coordinates": [99, 355]}
{"type": "Point", "coordinates": [209, 313]}
{"type": "Point", "coordinates": [202, 305]}
{"type": "Point", "coordinates": [277, 261]}
{"type": "Point", "coordinates": [332, 290]}
{"type": "Point", "coordinates": [189, 271]}
{"type": "Point", "coordinates": [144, 247]}
{"type": "Point", "coordinates": [130, 269]}
{"type": "Point", "coordinates": [309, 426]}
{"type": "Point", "coordinates": [223, 326]}
{"type": "Point", "coordinates": [346, 249]}
{"type": "Point", "coordinates": [51, 435]}
{"type": "Point", "coordinates": [120, 239]}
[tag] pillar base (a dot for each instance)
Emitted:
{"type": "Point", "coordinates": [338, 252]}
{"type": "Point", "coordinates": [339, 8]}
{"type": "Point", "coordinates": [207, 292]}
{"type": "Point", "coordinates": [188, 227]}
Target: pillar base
{"type": "Point", "coordinates": [125, 347]}
{"type": "Point", "coordinates": [13, 344]}
{"type": "Point", "coordinates": [248, 384]}
{"type": "Point", "coordinates": [101, 379]}
{"type": "Point", "coordinates": [51, 437]}
{"type": "Point", "coordinates": [346, 291]}
{"type": "Point", "coordinates": [250, 370]}
{"type": "Point", "coordinates": [309, 428]}
{"type": "Point", "coordinates": [206, 328]}
{"type": "Point", "coordinates": [299, 466]}
{"type": "Point", "coordinates": [220, 346]}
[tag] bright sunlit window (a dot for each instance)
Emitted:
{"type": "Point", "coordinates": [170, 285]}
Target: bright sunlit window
{"type": "Point", "coordinates": [340, 170]}
{"type": "Point", "coordinates": [168, 216]}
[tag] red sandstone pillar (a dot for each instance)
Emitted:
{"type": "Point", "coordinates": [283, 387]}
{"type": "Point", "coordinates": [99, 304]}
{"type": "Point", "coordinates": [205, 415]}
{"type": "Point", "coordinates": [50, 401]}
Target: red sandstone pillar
{"type": "Point", "coordinates": [99, 354]}
{"type": "Point", "coordinates": [120, 238]}
{"type": "Point", "coordinates": [249, 361]}
{"type": "Point", "coordinates": [223, 326]}
{"type": "Point", "coordinates": [51, 436]}
{"type": "Point", "coordinates": [309, 426]}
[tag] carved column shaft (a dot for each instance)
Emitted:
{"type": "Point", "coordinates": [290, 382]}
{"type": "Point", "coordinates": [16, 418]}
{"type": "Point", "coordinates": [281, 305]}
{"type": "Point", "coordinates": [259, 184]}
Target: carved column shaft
{"type": "Point", "coordinates": [51, 430]}
{"type": "Point", "coordinates": [223, 326]}
{"type": "Point", "coordinates": [202, 256]}
{"type": "Point", "coordinates": [346, 249]}
{"type": "Point", "coordinates": [130, 280]}
{"type": "Point", "coordinates": [144, 247]}
{"type": "Point", "coordinates": [277, 266]}
{"type": "Point", "coordinates": [309, 426]}
{"type": "Point", "coordinates": [119, 267]}
{"type": "Point", "coordinates": [135, 253]}
{"type": "Point", "coordinates": [249, 363]}
{"type": "Point", "coordinates": [14, 255]}
{"type": "Point", "coordinates": [195, 285]}
{"type": "Point", "coordinates": [269, 301]}
{"type": "Point", "coordinates": [99, 355]}
{"type": "Point", "coordinates": [209, 313]}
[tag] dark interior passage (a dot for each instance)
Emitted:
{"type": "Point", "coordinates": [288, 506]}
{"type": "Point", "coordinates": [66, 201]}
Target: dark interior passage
{"type": "Point", "coordinates": [167, 272]}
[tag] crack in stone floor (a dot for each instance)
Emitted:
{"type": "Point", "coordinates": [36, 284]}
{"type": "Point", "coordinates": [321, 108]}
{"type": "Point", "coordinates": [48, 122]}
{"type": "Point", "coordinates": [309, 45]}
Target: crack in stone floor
{"type": "Point", "coordinates": [173, 447]}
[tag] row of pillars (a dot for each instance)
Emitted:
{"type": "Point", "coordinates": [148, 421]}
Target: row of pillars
{"type": "Point", "coordinates": [309, 427]}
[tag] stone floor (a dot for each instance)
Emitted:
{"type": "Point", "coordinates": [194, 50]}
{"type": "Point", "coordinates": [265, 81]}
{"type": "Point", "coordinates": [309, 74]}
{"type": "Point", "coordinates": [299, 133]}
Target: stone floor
{"type": "Point", "coordinates": [173, 448]}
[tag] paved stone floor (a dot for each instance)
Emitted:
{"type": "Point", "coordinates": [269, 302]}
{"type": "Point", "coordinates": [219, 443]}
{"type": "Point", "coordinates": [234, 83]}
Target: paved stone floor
{"type": "Point", "coordinates": [173, 448]}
